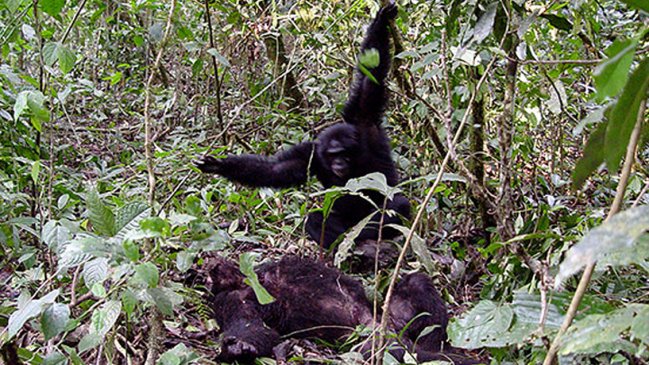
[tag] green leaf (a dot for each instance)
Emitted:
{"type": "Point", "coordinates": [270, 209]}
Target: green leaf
{"type": "Point", "coordinates": [147, 273]}
{"type": "Point", "coordinates": [155, 227]}
{"type": "Point", "coordinates": [370, 58]}
{"type": "Point", "coordinates": [55, 235]}
{"type": "Point", "coordinates": [66, 58]}
{"type": "Point", "coordinates": [27, 311]}
{"type": "Point", "coordinates": [640, 4]}
{"type": "Point", "coordinates": [36, 168]}
{"type": "Point", "coordinates": [95, 271]}
{"type": "Point", "coordinates": [179, 355]}
{"type": "Point", "coordinates": [161, 301]}
{"type": "Point", "coordinates": [54, 320]}
{"type": "Point", "coordinates": [483, 326]}
{"type": "Point", "coordinates": [131, 250]}
{"type": "Point", "coordinates": [128, 219]}
{"type": "Point", "coordinates": [219, 57]}
{"type": "Point", "coordinates": [485, 24]}
{"type": "Point", "coordinates": [624, 115]}
{"type": "Point", "coordinates": [184, 260]}
{"type": "Point", "coordinates": [640, 325]}
{"type": "Point", "coordinates": [246, 266]}
{"type": "Point", "coordinates": [55, 358]}
{"type": "Point", "coordinates": [101, 217]}
{"type": "Point", "coordinates": [602, 332]}
{"type": "Point", "coordinates": [50, 52]}
{"type": "Point", "coordinates": [612, 74]}
{"type": "Point", "coordinates": [52, 7]}
{"type": "Point", "coordinates": [558, 22]}
{"type": "Point", "coordinates": [592, 158]}
{"type": "Point", "coordinates": [129, 301]}
{"type": "Point", "coordinates": [344, 249]}
{"type": "Point", "coordinates": [618, 233]}
{"type": "Point", "coordinates": [105, 317]}
{"type": "Point", "coordinates": [419, 248]}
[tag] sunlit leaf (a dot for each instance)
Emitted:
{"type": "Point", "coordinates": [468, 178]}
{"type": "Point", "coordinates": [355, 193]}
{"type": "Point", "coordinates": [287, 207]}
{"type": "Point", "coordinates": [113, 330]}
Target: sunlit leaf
{"type": "Point", "coordinates": [612, 74]}
{"type": "Point", "coordinates": [618, 233]}
{"type": "Point", "coordinates": [246, 265]}
{"type": "Point", "coordinates": [52, 7]}
{"type": "Point", "coordinates": [624, 115]}
{"type": "Point", "coordinates": [482, 326]}
{"type": "Point", "coordinates": [101, 217]}
{"type": "Point", "coordinates": [27, 311]}
{"type": "Point", "coordinates": [147, 273]}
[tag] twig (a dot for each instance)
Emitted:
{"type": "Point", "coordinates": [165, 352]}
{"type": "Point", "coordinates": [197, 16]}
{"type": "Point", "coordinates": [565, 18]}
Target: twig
{"type": "Point", "coordinates": [422, 207]}
{"type": "Point", "coordinates": [615, 208]}
{"type": "Point", "coordinates": [155, 328]}
{"type": "Point", "coordinates": [217, 83]}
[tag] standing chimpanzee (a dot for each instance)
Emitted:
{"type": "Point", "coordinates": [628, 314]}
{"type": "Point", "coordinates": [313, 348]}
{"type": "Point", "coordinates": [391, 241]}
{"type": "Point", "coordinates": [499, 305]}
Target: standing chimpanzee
{"type": "Point", "coordinates": [347, 150]}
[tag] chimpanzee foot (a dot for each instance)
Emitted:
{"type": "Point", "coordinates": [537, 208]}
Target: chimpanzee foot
{"type": "Point", "coordinates": [237, 348]}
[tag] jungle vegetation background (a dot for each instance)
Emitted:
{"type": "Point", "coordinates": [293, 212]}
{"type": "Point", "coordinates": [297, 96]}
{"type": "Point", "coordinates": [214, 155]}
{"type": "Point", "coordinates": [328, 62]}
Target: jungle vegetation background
{"type": "Point", "coordinates": [518, 127]}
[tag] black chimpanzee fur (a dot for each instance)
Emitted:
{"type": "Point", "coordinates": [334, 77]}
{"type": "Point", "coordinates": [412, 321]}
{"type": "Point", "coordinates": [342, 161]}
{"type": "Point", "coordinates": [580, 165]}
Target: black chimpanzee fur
{"type": "Point", "coordinates": [347, 150]}
{"type": "Point", "coordinates": [314, 301]}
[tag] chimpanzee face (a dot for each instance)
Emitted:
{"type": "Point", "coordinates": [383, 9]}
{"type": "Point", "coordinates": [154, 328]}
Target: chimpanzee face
{"type": "Point", "coordinates": [337, 147]}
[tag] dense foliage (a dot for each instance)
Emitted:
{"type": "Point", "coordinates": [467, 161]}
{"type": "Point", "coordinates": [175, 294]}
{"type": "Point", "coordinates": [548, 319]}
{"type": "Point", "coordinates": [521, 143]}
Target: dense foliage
{"type": "Point", "coordinates": [538, 107]}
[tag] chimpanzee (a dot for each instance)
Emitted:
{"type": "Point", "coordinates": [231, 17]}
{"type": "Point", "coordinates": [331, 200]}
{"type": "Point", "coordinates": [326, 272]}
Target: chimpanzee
{"type": "Point", "coordinates": [347, 150]}
{"type": "Point", "coordinates": [315, 301]}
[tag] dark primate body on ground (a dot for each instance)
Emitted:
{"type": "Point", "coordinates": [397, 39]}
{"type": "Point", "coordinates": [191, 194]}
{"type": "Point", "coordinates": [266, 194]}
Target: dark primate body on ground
{"type": "Point", "coordinates": [347, 150]}
{"type": "Point", "coordinates": [314, 301]}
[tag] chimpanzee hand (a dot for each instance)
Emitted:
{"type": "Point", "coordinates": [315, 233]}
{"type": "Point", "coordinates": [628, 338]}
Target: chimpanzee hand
{"type": "Point", "coordinates": [388, 12]}
{"type": "Point", "coordinates": [209, 164]}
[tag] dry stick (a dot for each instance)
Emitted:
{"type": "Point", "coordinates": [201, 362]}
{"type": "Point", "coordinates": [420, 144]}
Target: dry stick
{"type": "Point", "coordinates": [155, 326]}
{"type": "Point", "coordinates": [615, 207]}
{"type": "Point", "coordinates": [424, 203]}
{"type": "Point", "coordinates": [217, 83]}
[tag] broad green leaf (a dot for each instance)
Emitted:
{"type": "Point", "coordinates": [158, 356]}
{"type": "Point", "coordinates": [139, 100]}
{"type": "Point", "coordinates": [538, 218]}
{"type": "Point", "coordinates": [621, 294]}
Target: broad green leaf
{"type": "Point", "coordinates": [179, 355]}
{"type": "Point", "coordinates": [36, 169]}
{"type": "Point", "coordinates": [95, 271]}
{"type": "Point", "coordinates": [131, 250]}
{"type": "Point", "coordinates": [66, 58]}
{"type": "Point", "coordinates": [52, 7]}
{"type": "Point", "coordinates": [101, 217]}
{"type": "Point", "coordinates": [105, 317]}
{"type": "Point", "coordinates": [618, 233]}
{"type": "Point", "coordinates": [247, 268]}
{"type": "Point", "coordinates": [625, 114]}
{"type": "Point", "coordinates": [640, 325]}
{"type": "Point", "coordinates": [54, 319]}
{"type": "Point", "coordinates": [640, 4]}
{"type": "Point", "coordinates": [592, 158]}
{"type": "Point", "coordinates": [155, 227]}
{"type": "Point", "coordinates": [636, 254]}
{"type": "Point", "coordinates": [82, 248]}
{"type": "Point", "coordinates": [147, 273]}
{"type": "Point", "coordinates": [55, 235]}
{"type": "Point", "coordinates": [601, 332]}
{"type": "Point", "coordinates": [128, 219]}
{"type": "Point", "coordinates": [483, 326]}
{"type": "Point", "coordinates": [74, 356]}
{"type": "Point", "coordinates": [184, 260]}
{"type": "Point", "coordinates": [161, 301]}
{"type": "Point", "coordinates": [21, 103]}
{"type": "Point", "coordinates": [485, 24]}
{"type": "Point", "coordinates": [27, 311]}
{"type": "Point", "coordinates": [13, 5]}
{"type": "Point", "coordinates": [55, 358]}
{"type": "Point", "coordinates": [129, 301]}
{"type": "Point", "coordinates": [612, 74]}
{"type": "Point", "coordinates": [89, 341]}
{"type": "Point", "coordinates": [50, 52]}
